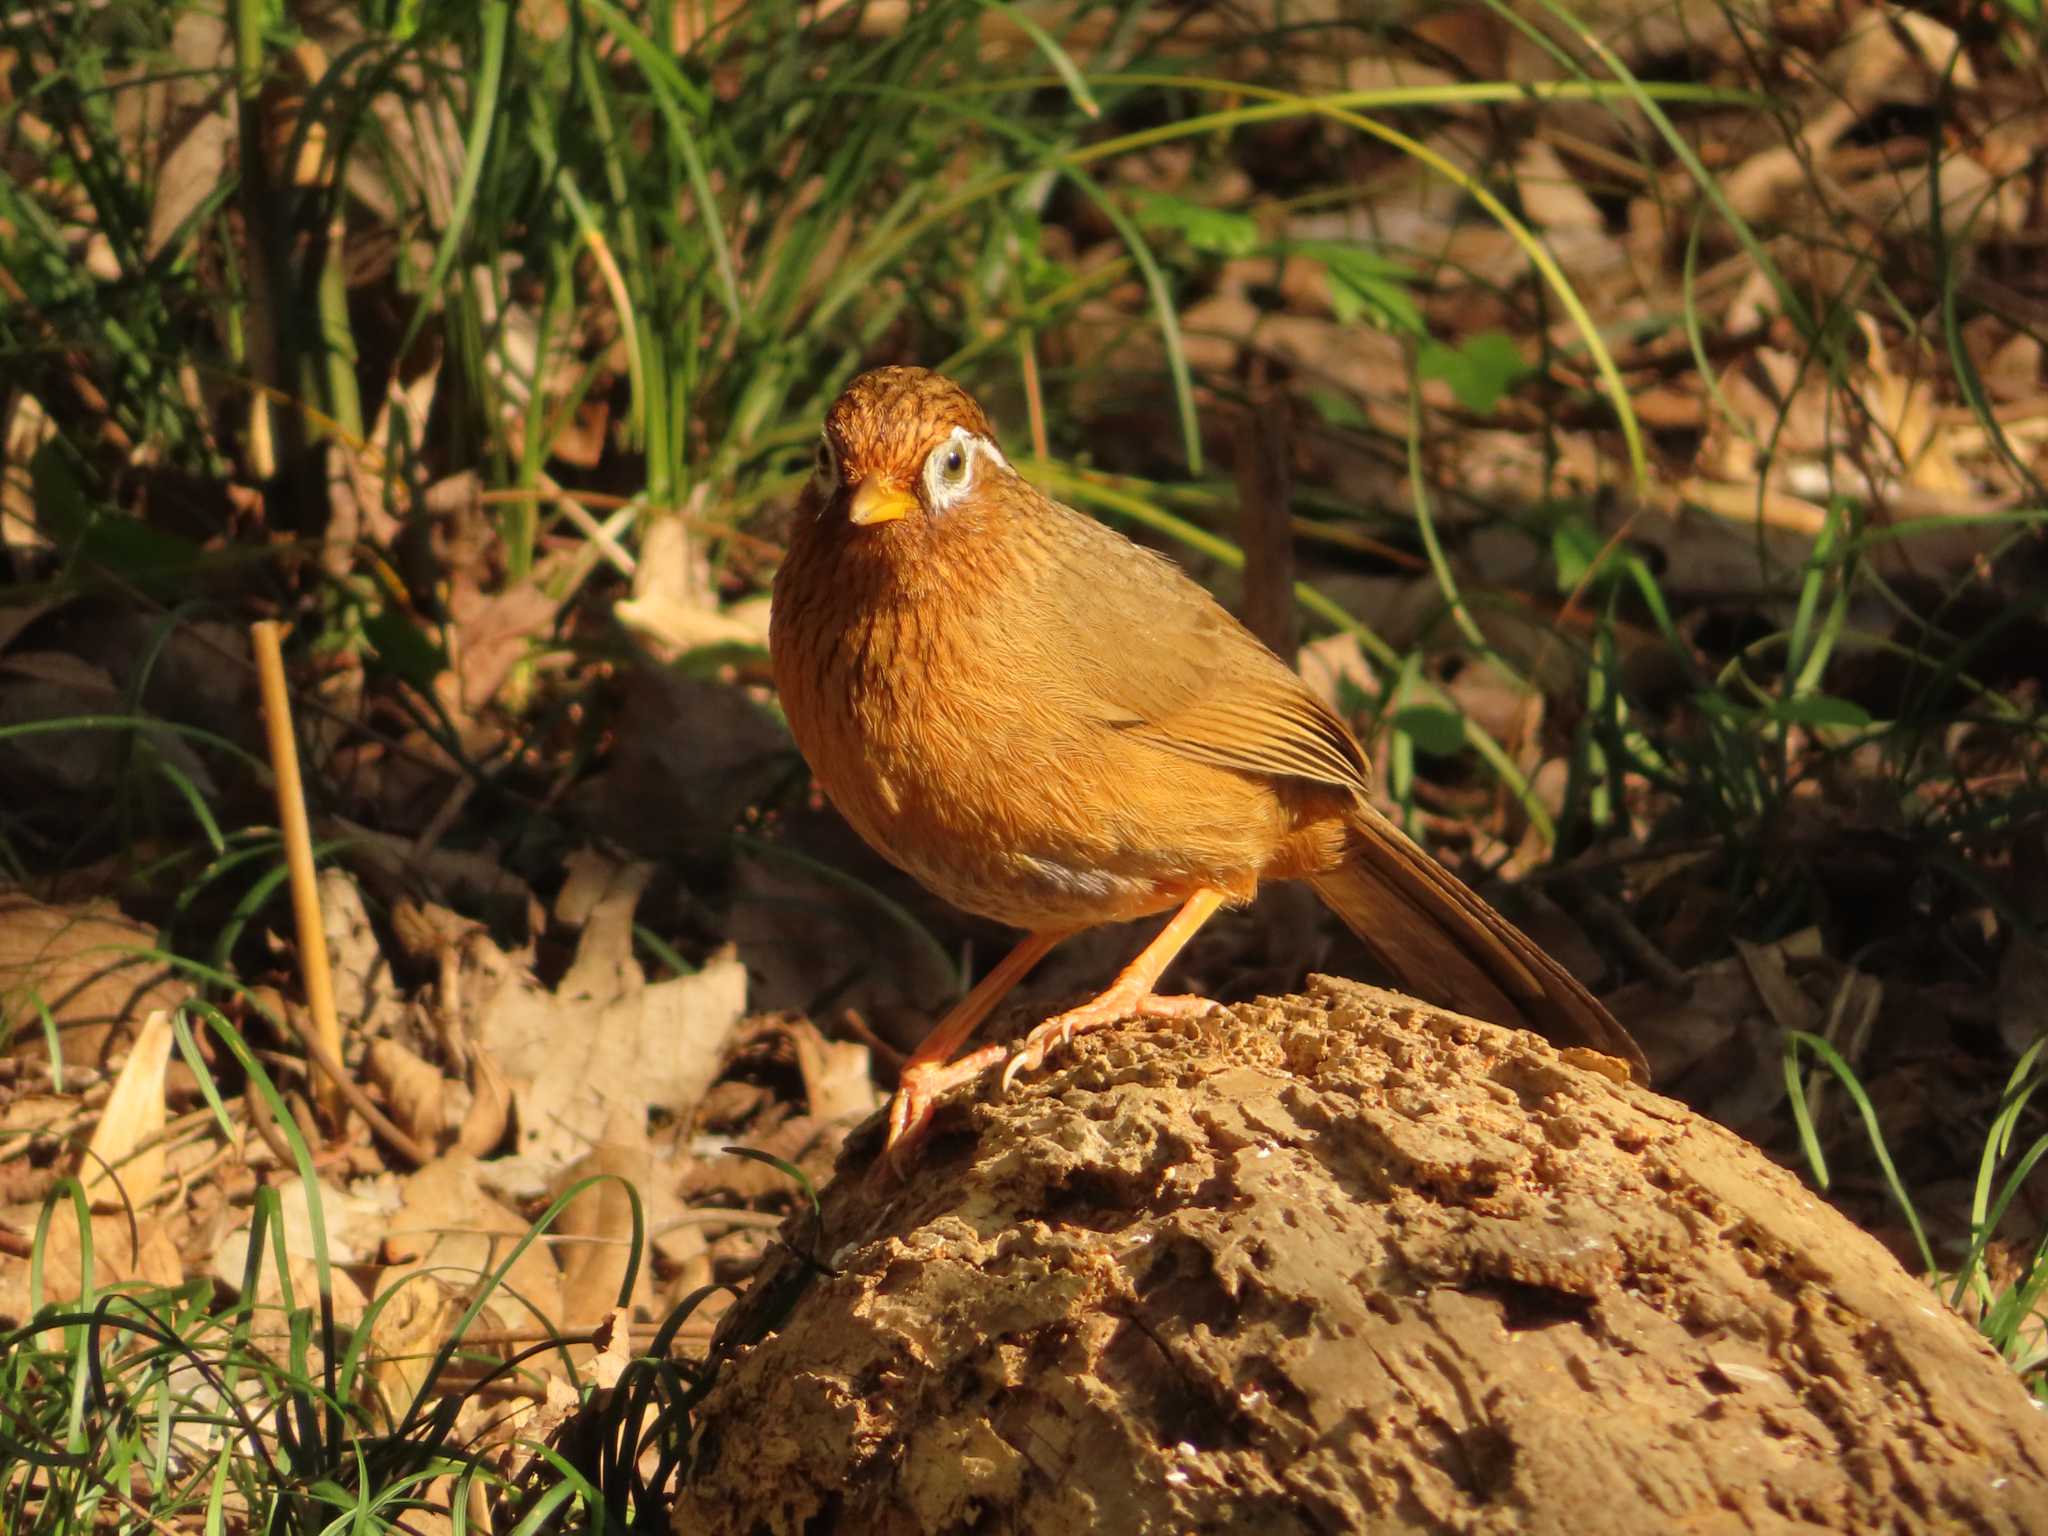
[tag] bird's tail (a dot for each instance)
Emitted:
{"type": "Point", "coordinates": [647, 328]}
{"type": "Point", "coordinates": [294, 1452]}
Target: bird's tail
{"type": "Point", "coordinates": [1448, 947]}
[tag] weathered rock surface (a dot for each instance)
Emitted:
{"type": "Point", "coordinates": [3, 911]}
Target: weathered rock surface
{"type": "Point", "coordinates": [1347, 1263]}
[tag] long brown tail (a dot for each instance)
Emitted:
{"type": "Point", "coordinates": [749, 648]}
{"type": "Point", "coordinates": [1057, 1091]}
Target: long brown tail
{"type": "Point", "coordinates": [1448, 947]}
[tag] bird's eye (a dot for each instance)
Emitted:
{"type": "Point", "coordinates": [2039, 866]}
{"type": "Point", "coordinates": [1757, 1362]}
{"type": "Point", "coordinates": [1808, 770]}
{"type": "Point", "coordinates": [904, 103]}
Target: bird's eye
{"type": "Point", "coordinates": [949, 470]}
{"type": "Point", "coordinates": [826, 468]}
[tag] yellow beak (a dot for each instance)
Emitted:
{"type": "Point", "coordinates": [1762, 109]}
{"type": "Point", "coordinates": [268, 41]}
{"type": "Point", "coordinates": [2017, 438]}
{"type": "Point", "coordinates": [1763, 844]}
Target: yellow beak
{"type": "Point", "coordinates": [877, 502]}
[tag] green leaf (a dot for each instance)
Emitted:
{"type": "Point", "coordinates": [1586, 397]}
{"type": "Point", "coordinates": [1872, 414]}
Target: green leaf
{"type": "Point", "coordinates": [1364, 285]}
{"type": "Point", "coordinates": [1337, 410]}
{"type": "Point", "coordinates": [128, 546]}
{"type": "Point", "coordinates": [94, 533]}
{"type": "Point", "coordinates": [405, 648]}
{"type": "Point", "coordinates": [1714, 702]}
{"type": "Point", "coordinates": [1216, 231]}
{"type": "Point", "coordinates": [1479, 372]}
{"type": "Point", "coordinates": [1069, 73]}
{"type": "Point", "coordinates": [1574, 545]}
{"type": "Point", "coordinates": [1439, 732]}
{"type": "Point", "coordinates": [1818, 709]}
{"type": "Point", "coordinates": [59, 494]}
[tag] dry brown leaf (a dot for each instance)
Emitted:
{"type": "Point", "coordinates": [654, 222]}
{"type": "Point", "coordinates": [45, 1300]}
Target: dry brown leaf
{"type": "Point", "coordinates": [703, 751]}
{"type": "Point", "coordinates": [428, 931]}
{"type": "Point", "coordinates": [352, 1220]}
{"type": "Point", "coordinates": [15, 617]}
{"type": "Point", "coordinates": [113, 1171]}
{"type": "Point", "coordinates": [632, 1045]}
{"type": "Point", "coordinates": [191, 172]}
{"type": "Point", "coordinates": [1892, 54]}
{"type": "Point", "coordinates": [538, 1428]}
{"type": "Point", "coordinates": [28, 426]}
{"type": "Point", "coordinates": [356, 511]}
{"type": "Point", "coordinates": [613, 1335]}
{"type": "Point", "coordinates": [1903, 406]}
{"type": "Point", "coordinates": [1788, 1006]}
{"type": "Point", "coordinates": [490, 1106]}
{"type": "Point", "coordinates": [598, 1224]}
{"type": "Point", "coordinates": [686, 1254]}
{"type": "Point", "coordinates": [457, 874]}
{"type": "Point", "coordinates": [412, 1089]}
{"type": "Point", "coordinates": [2013, 370]}
{"type": "Point", "coordinates": [674, 606]}
{"type": "Point", "coordinates": [94, 972]}
{"type": "Point", "coordinates": [837, 1080]}
{"type": "Point", "coordinates": [365, 998]}
{"type": "Point", "coordinates": [1852, 1014]}
{"type": "Point", "coordinates": [122, 1250]}
{"type": "Point", "coordinates": [418, 1314]}
{"type": "Point", "coordinates": [1335, 665]}
{"type": "Point", "coordinates": [2023, 992]}
{"type": "Point", "coordinates": [47, 685]}
{"type": "Point", "coordinates": [489, 634]}
{"type": "Point", "coordinates": [1694, 1032]}
{"type": "Point", "coordinates": [449, 1221]}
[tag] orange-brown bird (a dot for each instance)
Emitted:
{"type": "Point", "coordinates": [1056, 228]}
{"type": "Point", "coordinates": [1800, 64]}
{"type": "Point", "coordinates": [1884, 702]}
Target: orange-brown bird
{"type": "Point", "coordinates": [1052, 727]}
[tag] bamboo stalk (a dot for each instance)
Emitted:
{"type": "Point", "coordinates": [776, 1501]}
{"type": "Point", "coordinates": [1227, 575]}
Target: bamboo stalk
{"type": "Point", "coordinates": [265, 638]}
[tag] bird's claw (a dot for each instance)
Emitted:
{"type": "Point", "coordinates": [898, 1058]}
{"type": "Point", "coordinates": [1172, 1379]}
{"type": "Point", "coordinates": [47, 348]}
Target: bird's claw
{"type": "Point", "coordinates": [916, 1101]}
{"type": "Point", "coordinates": [1057, 1033]}
{"type": "Point", "coordinates": [1030, 1056]}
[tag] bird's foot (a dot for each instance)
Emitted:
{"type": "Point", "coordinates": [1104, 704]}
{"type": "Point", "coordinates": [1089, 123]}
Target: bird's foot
{"type": "Point", "coordinates": [917, 1093]}
{"type": "Point", "coordinates": [1058, 1032]}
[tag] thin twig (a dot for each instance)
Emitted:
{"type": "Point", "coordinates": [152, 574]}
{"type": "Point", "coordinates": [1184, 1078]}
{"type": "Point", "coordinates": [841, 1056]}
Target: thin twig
{"type": "Point", "coordinates": [352, 1091]}
{"type": "Point", "coordinates": [1622, 929]}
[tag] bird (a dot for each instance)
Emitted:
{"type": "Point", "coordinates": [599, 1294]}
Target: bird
{"type": "Point", "coordinates": [1053, 727]}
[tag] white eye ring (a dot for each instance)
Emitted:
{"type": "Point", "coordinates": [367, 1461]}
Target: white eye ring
{"type": "Point", "coordinates": [949, 468]}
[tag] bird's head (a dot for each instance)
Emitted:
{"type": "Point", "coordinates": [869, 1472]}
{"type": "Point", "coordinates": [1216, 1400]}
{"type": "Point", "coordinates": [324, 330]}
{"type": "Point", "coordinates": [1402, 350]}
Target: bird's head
{"type": "Point", "coordinates": [902, 444]}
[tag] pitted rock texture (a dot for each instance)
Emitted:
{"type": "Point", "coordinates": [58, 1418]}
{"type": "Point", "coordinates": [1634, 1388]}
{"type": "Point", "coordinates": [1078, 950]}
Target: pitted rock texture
{"type": "Point", "coordinates": [1347, 1263]}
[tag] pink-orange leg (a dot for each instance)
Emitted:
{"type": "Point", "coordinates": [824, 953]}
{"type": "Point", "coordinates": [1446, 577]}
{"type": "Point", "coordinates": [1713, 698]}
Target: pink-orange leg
{"type": "Point", "coordinates": [928, 1073]}
{"type": "Point", "coordinates": [1130, 996]}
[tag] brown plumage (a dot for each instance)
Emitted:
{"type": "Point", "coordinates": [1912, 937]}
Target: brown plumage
{"type": "Point", "coordinates": [1050, 726]}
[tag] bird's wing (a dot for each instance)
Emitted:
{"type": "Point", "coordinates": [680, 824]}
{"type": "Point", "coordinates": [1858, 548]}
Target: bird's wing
{"type": "Point", "coordinates": [1170, 667]}
{"type": "Point", "coordinates": [1256, 729]}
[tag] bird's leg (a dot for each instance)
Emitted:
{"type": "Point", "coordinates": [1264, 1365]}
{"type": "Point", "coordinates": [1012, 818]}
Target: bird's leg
{"type": "Point", "coordinates": [1130, 996]}
{"type": "Point", "coordinates": [928, 1073]}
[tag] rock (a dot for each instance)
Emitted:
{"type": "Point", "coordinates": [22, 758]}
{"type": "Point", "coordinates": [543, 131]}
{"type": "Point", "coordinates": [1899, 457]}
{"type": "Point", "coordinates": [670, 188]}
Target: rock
{"type": "Point", "coordinates": [1345, 1262]}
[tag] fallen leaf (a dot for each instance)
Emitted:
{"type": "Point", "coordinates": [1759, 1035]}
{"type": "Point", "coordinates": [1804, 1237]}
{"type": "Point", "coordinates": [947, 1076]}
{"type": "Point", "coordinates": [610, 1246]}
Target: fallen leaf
{"type": "Point", "coordinates": [352, 1221]}
{"type": "Point", "coordinates": [112, 1170]}
{"type": "Point", "coordinates": [413, 1089]}
{"type": "Point", "coordinates": [449, 1221]}
{"type": "Point", "coordinates": [490, 1106]}
{"type": "Point", "coordinates": [123, 1249]}
{"type": "Point", "coordinates": [91, 970]}
{"type": "Point", "coordinates": [415, 1318]}
{"type": "Point", "coordinates": [597, 1226]}
{"type": "Point", "coordinates": [365, 998]}
{"type": "Point", "coordinates": [837, 1082]}
{"type": "Point", "coordinates": [674, 607]}
{"type": "Point", "coordinates": [632, 1045]}
{"type": "Point", "coordinates": [490, 633]}
{"type": "Point", "coordinates": [613, 1335]}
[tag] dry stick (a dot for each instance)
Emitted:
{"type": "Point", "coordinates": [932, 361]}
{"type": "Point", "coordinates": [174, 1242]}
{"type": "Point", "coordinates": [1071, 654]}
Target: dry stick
{"type": "Point", "coordinates": [1265, 441]}
{"type": "Point", "coordinates": [265, 639]}
{"type": "Point", "coordinates": [1621, 928]}
{"type": "Point", "coordinates": [337, 1074]}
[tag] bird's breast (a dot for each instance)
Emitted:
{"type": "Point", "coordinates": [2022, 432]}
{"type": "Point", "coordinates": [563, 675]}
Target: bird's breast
{"type": "Point", "coordinates": [966, 744]}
